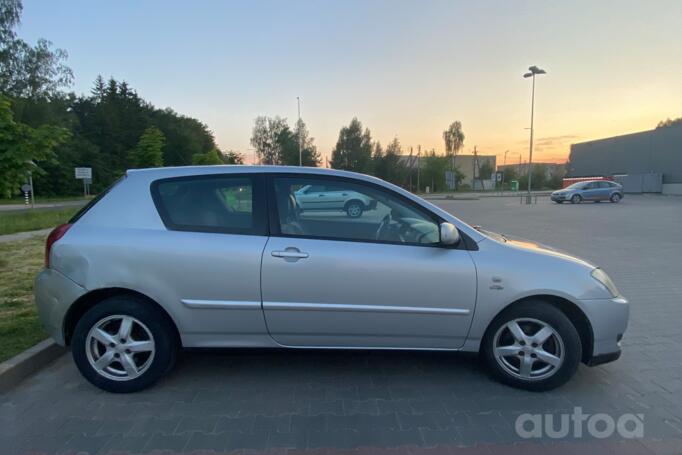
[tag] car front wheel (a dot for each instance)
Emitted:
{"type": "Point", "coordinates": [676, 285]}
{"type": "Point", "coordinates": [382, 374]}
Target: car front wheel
{"type": "Point", "coordinates": [532, 346]}
{"type": "Point", "coordinates": [576, 199]}
{"type": "Point", "coordinates": [124, 344]}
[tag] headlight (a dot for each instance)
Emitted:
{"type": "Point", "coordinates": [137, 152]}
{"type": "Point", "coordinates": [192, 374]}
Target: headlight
{"type": "Point", "coordinates": [603, 278]}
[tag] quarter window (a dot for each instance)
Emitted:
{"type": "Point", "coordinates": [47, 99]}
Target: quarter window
{"type": "Point", "coordinates": [340, 209]}
{"type": "Point", "coordinates": [225, 204]}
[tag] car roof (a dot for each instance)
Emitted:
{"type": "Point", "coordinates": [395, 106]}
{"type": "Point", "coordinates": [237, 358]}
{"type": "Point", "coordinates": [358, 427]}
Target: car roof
{"type": "Point", "coordinates": [181, 171]}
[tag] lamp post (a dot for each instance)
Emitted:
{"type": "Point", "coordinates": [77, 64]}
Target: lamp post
{"type": "Point", "coordinates": [300, 149]}
{"type": "Point", "coordinates": [532, 71]}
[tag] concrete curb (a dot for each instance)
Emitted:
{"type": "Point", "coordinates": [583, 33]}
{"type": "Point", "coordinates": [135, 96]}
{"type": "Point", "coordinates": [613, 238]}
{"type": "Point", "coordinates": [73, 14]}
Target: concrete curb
{"type": "Point", "coordinates": [22, 365]}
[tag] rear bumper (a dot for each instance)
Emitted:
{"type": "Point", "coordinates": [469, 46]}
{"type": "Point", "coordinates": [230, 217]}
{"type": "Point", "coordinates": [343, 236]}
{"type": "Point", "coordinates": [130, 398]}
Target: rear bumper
{"type": "Point", "coordinates": [54, 294]}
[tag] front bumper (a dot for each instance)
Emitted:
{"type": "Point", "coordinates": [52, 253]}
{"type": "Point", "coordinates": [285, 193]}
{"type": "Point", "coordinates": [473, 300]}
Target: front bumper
{"type": "Point", "coordinates": [609, 320]}
{"type": "Point", "coordinates": [558, 197]}
{"type": "Point", "coordinates": [54, 294]}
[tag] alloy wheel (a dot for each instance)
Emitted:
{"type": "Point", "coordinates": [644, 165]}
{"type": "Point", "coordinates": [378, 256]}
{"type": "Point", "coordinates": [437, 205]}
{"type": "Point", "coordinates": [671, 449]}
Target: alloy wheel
{"type": "Point", "coordinates": [120, 347]}
{"type": "Point", "coordinates": [528, 349]}
{"type": "Point", "coordinates": [354, 210]}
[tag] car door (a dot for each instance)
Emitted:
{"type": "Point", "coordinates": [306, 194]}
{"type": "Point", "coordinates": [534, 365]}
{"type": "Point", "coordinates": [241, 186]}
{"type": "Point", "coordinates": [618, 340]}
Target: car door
{"type": "Point", "coordinates": [605, 189]}
{"type": "Point", "coordinates": [382, 280]}
{"type": "Point", "coordinates": [207, 263]}
{"type": "Point", "coordinates": [590, 191]}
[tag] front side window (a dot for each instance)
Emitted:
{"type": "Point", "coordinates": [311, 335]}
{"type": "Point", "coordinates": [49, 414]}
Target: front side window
{"type": "Point", "coordinates": [209, 204]}
{"type": "Point", "coordinates": [340, 209]}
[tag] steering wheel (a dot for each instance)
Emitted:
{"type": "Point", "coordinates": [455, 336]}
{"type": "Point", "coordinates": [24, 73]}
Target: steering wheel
{"type": "Point", "coordinates": [389, 229]}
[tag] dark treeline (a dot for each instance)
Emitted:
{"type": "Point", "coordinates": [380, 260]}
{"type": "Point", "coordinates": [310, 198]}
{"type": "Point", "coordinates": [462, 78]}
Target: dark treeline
{"type": "Point", "coordinates": [104, 131]}
{"type": "Point", "coordinates": [47, 131]}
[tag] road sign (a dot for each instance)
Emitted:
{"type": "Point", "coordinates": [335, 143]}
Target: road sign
{"type": "Point", "coordinates": [25, 188]}
{"type": "Point", "coordinates": [83, 172]}
{"type": "Point", "coordinates": [498, 176]}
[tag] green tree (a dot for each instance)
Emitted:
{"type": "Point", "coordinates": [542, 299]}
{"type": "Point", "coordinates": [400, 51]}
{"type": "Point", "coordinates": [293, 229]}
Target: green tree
{"type": "Point", "coordinates": [266, 138]}
{"type": "Point", "coordinates": [149, 150]}
{"type": "Point", "coordinates": [669, 122]}
{"type": "Point", "coordinates": [353, 150]}
{"type": "Point", "coordinates": [453, 137]}
{"type": "Point", "coordinates": [433, 171]}
{"type": "Point", "coordinates": [289, 147]}
{"type": "Point", "coordinates": [485, 171]}
{"type": "Point", "coordinates": [309, 154]}
{"type": "Point", "coordinates": [378, 168]}
{"type": "Point", "coordinates": [394, 171]}
{"type": "Point", "coordinates": [21, 146]}
{"type": "Point", "coordinates": [232, 157]}
{"type": "Point", "coordinates": [538, 178]}
{"type": "Point", "coordinates": [209, 158]}
{"type": "Point", "coordinates": [556, 177]}
{"type": "Point", "coordinates": [28, 71]}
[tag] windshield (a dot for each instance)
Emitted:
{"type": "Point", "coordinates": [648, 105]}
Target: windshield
{"type": "Point", "coordinates": [576, 186]}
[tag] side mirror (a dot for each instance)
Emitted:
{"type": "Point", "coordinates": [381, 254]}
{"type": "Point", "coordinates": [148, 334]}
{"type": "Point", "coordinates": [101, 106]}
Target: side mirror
{"type": "Point", "coordinates": [449, 235]}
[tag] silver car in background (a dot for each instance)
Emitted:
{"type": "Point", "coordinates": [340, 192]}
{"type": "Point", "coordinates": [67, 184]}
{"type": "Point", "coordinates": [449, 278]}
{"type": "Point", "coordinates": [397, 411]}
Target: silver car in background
{"type": "Point", "coordinates": [589, 190]}
{"type": "Point", "coordinates": [222, 256]}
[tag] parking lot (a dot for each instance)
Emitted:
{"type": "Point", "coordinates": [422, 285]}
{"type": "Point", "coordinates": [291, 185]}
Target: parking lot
{"type": "Point", "coordinates": [403, 402]}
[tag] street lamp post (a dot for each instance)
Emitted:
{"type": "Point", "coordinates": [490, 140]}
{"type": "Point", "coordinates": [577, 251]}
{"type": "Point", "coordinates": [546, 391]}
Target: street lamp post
{"type": "Point", "coordinates": [532, 71]}
{"type": "Point", "coordinates": [300, 148]}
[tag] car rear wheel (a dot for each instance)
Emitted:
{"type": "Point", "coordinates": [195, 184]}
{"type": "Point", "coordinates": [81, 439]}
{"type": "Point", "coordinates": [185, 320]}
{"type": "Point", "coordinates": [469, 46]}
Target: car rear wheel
{"type": "Point", "coordinates": [576, 199]}
{"type": "Point", "coordinates": [532, 346]}
{"type": "Point", "coordinates": [615, 198]}
{"type": "Point", "coordinates": [124, 344]}
{"type": "Point", "coordinates": [354, 209]}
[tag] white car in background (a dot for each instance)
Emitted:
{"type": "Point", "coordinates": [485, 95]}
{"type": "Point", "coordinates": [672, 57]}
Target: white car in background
{"type": "Point", "coordinates": [331, 197]}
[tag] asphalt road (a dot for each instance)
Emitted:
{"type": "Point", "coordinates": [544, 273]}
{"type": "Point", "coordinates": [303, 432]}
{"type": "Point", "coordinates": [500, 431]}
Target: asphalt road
{"type": "Point", "coordinates": [43, 205]}
{"type": "Point", "coordinates": [325, 402]}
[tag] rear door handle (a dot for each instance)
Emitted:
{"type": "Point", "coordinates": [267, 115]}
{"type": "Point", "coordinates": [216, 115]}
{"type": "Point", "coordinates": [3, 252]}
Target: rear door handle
{"type": "Point", "coordinates": [290, 254]}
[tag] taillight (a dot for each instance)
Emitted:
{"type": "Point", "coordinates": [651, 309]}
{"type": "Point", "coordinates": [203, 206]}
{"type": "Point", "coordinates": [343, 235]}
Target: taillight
{"type": "Point", "coordinates": [56, 234]}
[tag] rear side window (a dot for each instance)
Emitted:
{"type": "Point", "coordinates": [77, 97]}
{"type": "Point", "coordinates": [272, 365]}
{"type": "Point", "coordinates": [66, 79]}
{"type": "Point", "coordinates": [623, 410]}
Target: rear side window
{"type": "Point", "coordinates": [231, 204]}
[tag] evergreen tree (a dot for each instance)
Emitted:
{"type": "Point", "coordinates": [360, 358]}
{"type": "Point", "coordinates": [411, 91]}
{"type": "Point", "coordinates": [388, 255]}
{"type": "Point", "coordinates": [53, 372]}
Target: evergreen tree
{"type": "Point", "coordinates": [353, 149]}
{"type": "Point", "coordinates": [149, 150]}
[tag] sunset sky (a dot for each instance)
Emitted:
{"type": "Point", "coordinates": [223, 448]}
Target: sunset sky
{"type": "Point", "coordinates": [405, 69]}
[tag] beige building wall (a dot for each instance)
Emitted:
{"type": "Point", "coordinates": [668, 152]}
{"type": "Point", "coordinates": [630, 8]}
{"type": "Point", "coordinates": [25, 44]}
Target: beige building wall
{"type": "Point", "coordinates": [466, 165]}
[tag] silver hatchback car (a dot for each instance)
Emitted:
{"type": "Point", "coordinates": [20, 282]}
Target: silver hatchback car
{"type": "Point", "coordinates": [223, 256]}
{"type": "Point", "coordinates": [589, 190]}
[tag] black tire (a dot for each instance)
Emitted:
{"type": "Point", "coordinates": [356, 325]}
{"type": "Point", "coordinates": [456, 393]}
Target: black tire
{"type": "Point", "coordinates": [615, 198]}
{"type": "Point", "coordinates": [557, 320]}
{"type": "Point", "coordinates": [354, 209]}
{"type": "Point", "coordinates": [576, 199]}
{"type": "Point", "coordinates": [156, 321]}
{"type": "Point", "coordinates": [559, 202]}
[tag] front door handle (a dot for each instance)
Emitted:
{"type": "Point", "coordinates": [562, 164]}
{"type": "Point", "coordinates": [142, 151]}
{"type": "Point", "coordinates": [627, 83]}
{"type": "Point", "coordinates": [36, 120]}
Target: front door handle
{"type": "Point", "coordinates": [290, 254]}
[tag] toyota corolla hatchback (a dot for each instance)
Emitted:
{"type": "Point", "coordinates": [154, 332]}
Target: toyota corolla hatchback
{"type": "Point", "coordinates": [224, 256]}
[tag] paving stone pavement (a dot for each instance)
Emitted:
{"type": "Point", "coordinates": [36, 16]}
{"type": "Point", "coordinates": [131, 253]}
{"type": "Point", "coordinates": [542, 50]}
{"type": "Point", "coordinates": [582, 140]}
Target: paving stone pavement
{"type": "Point", "coordinates": [332, 402]}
